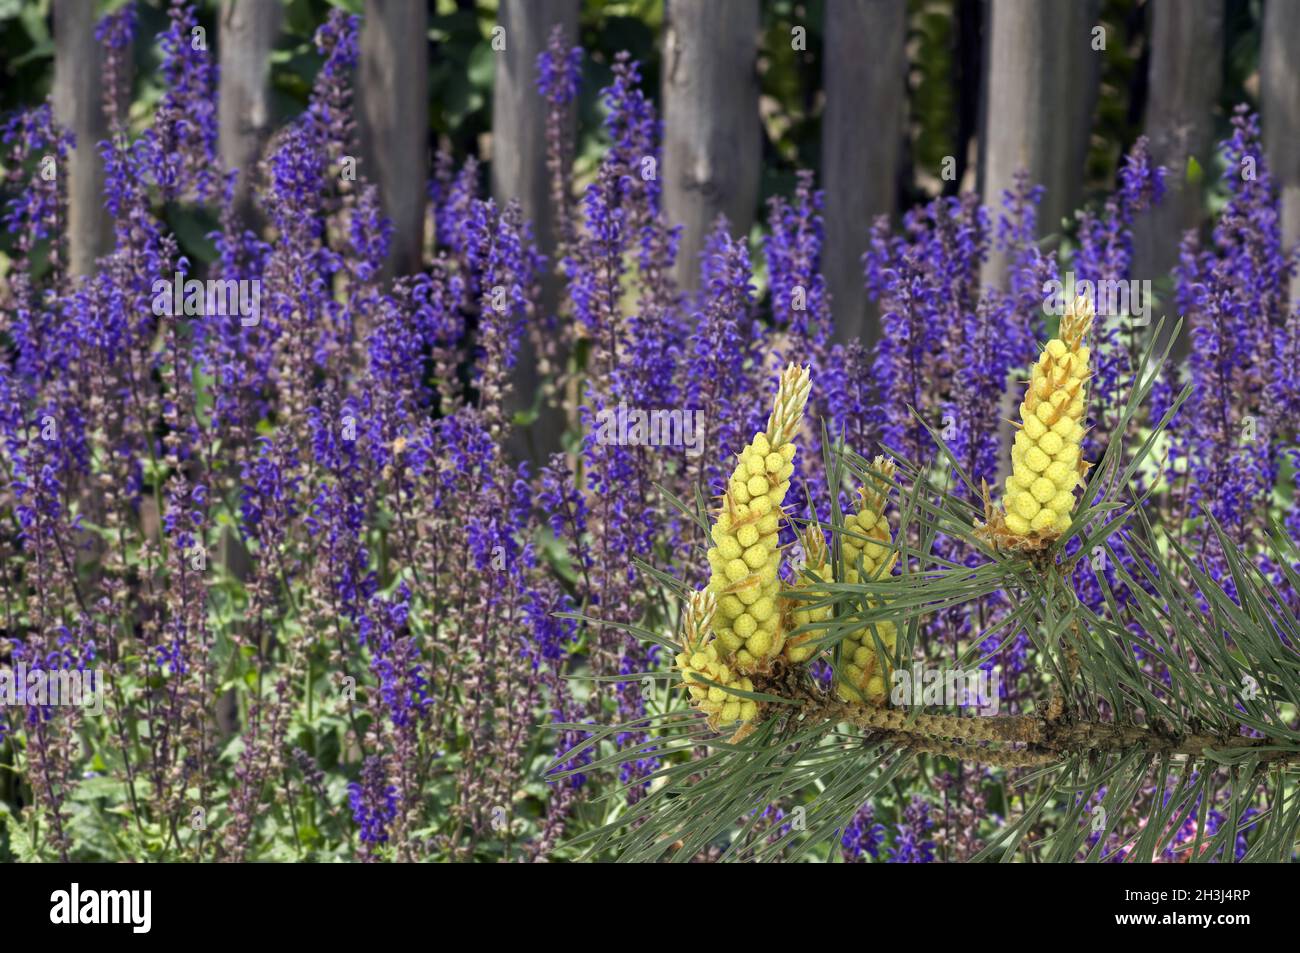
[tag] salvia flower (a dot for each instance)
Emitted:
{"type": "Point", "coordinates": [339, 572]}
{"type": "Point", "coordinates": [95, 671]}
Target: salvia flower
{"type": "Point", "coordinates": [115, 32]}
{"type": "Point", "coordinates": [374, 804]}
{"type": "Point", "coordinates": [863, 837]}
{"type": "Point", "coordinates": [912, 843]}
{"type": "Point", "coordinates": [181, 146]}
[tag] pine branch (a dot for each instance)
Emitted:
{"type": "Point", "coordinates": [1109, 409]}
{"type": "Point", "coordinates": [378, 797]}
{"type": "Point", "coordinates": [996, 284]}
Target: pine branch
{"type": "Point", "coordinates": [1046, 739]}
{"type": "Point", "coordinates": [1209, 701]}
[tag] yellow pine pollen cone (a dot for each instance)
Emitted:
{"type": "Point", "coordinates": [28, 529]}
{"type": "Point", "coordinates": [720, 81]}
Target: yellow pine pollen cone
{"type": "Point", "coordinates": [866, 542]}
{"type": "Point", "coordinates": [745, 559]}
{"type": "Point", "coordinates": [1046, 458]}
{"type": "Point", "coordinates": [700, 663]}
{"type": "Point", "coordinates": [801, 647]}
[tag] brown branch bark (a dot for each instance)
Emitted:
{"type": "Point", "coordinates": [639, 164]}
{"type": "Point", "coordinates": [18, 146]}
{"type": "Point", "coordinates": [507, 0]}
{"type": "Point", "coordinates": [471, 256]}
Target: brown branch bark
{"type": "Point", "coordinates": [988, 738]}
{"type": "Point", "coordinates": [1047, 741]}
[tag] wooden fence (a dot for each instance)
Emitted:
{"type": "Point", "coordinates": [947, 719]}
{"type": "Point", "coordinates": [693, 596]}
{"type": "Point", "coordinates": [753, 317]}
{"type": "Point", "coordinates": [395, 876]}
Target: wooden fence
{"type": "Point", "coordinates": [1037, 89]}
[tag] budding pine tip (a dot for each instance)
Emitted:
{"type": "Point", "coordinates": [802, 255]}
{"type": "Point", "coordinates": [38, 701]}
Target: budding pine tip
{"type": "Point", "coordinates": [1046, 455]}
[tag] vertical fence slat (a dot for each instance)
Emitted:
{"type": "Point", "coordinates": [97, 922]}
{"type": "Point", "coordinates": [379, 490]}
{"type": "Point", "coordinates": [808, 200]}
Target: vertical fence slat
{"type": "Point", "coordinates": [394, 118]}
{"type": "Point", "coordinates": [864, 77]}
{"type": "Point", "coordinates": [518, 111]}
{"type": "Point", "coordinates": [1186, 35]}
{"type": "Point", "coordinates": [248, 32]}
{"type": "Point", "coordinates": [1280, 93]}
{"type": "Point", "coordinates": [712, 143]}
{"type": "Point", "coordinates": [78, 106]}
{"type": "Point", "coordinates": [519, 171]}
{"type": "Point", "coordinates": [1040, 88]}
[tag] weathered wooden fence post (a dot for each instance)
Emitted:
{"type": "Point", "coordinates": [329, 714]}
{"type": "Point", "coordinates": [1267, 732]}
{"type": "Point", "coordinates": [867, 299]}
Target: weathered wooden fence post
{"type": "Point", "coordinates": [1040, 86]}
{"type": "Point", "coordinates": [248, 31]}
{"type": "Point", "coordinates": [79, 107]}
{"type": "Point", "coordinates": [865, 80]}
{"type": "Point", "coordinates": [712, 145]}
{"type": "Point", "coordinates": [1186, 49]}
{"type": "Point", "coordinates": [1280, 93]}
{"type": "Point", "coordinates": [518, 111]}
{"type": "Point", "coordinates": [519, 172]}
{"type": "Point", "coordinates": [393, 119]}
